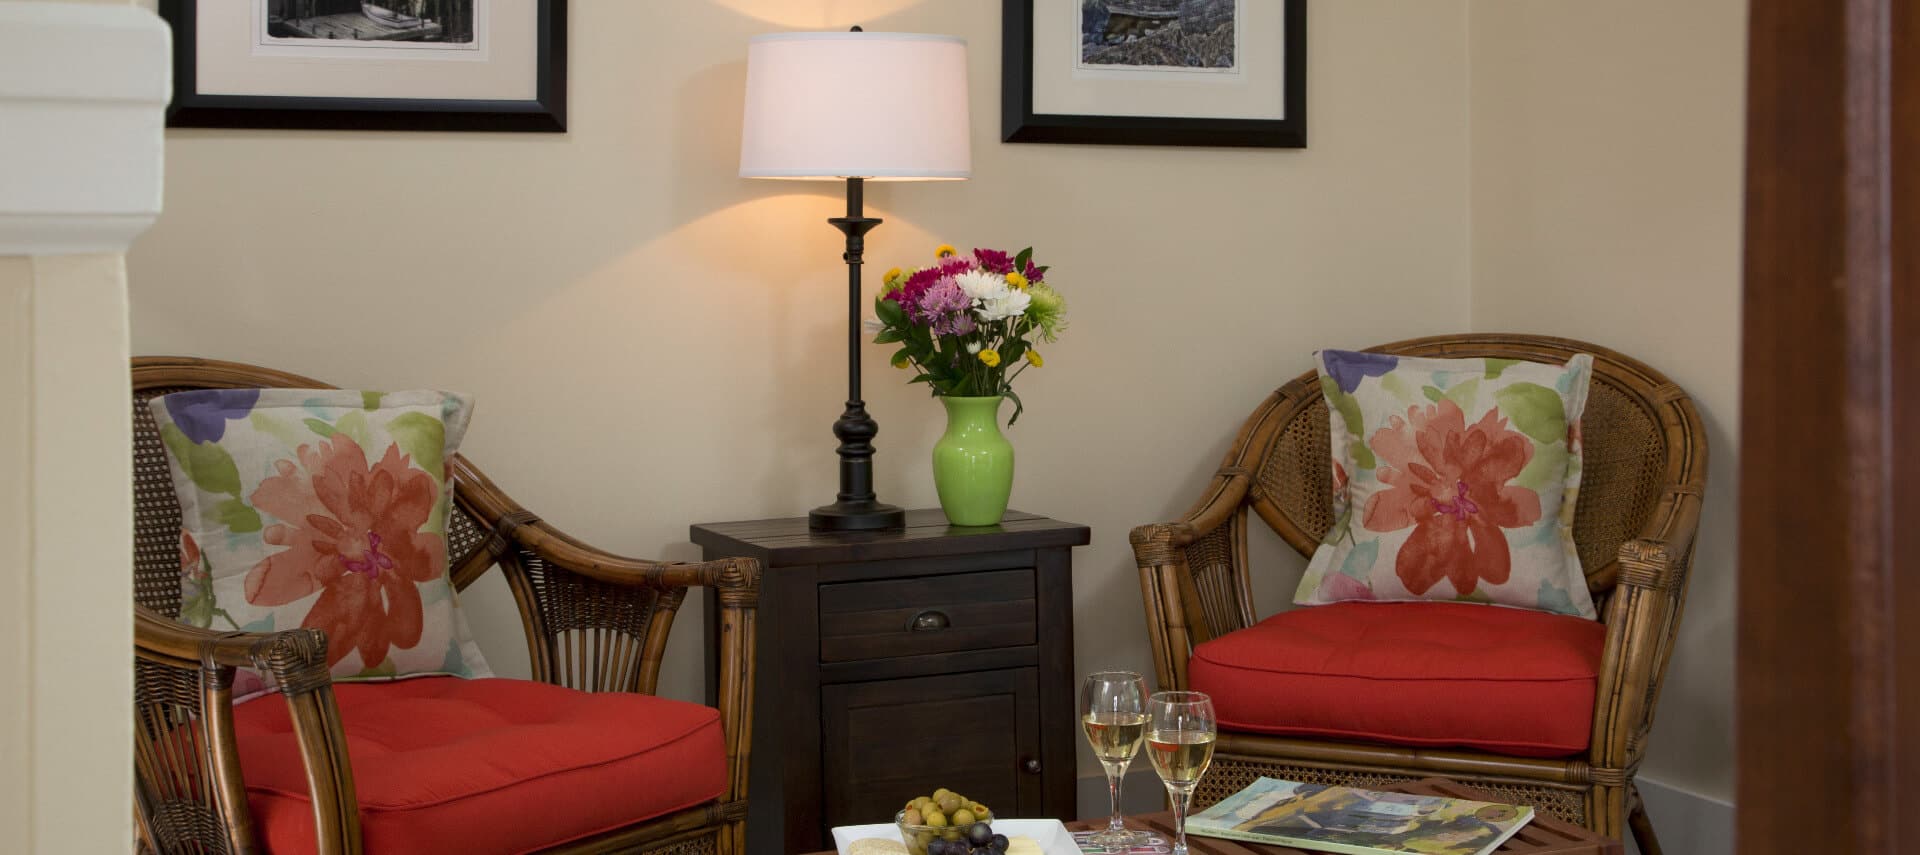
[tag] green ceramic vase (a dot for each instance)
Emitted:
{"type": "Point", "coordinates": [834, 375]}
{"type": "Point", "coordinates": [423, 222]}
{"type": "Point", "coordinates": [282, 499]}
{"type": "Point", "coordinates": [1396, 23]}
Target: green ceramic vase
{"type": "Point", "coordinates": [973, 463]}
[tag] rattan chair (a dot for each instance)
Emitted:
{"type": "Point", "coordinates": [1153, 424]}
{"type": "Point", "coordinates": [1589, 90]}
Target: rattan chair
{"type": "Point", "coordinates": [1644, 467]}
{"type": "Point", "coordinates": [594, 621]}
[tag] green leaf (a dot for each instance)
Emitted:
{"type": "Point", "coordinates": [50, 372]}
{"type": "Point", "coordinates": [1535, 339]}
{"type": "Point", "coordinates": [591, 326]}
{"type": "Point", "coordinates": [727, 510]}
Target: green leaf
{"type": "Point", "coordinates": [1496, 366]}
{"type": "Point", "coordinates": [236, 516]}
{"type": "Point", "coordinates": [423, 438]}
{"type": "Point", "coordinates": [1395, 384]}
{"type": "Point", "coordinates": [280, 430]}
{"type": "Point", "coordinates": [1463, 393]}
{"type": "Point", "coordinates": [320, 427]}
{"type": "Point", "coordinates": [1349, 409]}
{"type": "Point", "coordinates": [1020, 260]}
{"type": "Point", "coordinates": [1433, 393]}
{"type": "Point", "coordinates": [1535, 409]}
{"type": "Point", "coordinates": [354, 425]}
{"type": "Point", "coordinates": [1018, 407]}
{"type": "Point", "coordinates": [1362, 455]}
{"type": "Point", "coordinates": [888, 335]}
{"type": "Point", "coordinates": [207, 465]}
{"type": "Point", "coordinates": [889, 312]}
{"type": "Point", "coordinates": [898, 355]}
{"type": "Point", "coordinates": [1549, 464]}
{"type": "Point", "coordinates": [921, 378]}
{"type": "Point", "coordinates": [371, 400]}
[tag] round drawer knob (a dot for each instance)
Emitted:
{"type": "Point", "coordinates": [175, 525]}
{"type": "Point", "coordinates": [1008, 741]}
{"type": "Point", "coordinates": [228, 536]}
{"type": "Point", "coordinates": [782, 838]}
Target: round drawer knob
{"type": "Point", "coordinates": [928, 621]}
{"type": "Point", "coordinates": [1031, 765]}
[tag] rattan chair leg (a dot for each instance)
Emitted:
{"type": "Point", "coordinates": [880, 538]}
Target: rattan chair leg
{"type": "Point", "coordinates": [1642, 826]}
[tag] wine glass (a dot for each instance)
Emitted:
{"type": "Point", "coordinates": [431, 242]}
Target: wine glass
{"type": "Point", "coordinates": [1180, 732]}
{"type": "Point", "coordinates": [1113, 714]}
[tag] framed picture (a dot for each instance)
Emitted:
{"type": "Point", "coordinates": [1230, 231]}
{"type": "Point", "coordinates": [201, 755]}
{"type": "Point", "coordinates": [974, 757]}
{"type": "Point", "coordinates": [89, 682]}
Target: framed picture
{"type": "Point", "coordinates": [415, 65]}
{"type": "Point", "coordinates": [1155, 72]}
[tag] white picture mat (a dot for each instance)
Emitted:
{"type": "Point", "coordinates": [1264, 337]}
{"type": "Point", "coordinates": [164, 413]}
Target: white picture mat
{"type": "Point", "coordinates": [503, 67]}
{"type": "Point", "coordinates": [1256, 90]}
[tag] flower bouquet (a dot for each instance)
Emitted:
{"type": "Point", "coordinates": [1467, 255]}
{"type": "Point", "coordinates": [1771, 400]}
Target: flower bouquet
{"type": "Point", "coordinates": [966, 325]}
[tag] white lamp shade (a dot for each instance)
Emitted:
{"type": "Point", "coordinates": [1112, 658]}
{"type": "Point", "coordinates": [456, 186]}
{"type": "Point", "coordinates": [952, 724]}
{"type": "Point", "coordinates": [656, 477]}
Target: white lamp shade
{"type": "Point", "coordinates": [884, 106]}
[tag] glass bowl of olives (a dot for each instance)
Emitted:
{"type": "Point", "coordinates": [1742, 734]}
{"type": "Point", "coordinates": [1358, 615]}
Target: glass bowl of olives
{"type": "Point", "coordinates": [945, 816]}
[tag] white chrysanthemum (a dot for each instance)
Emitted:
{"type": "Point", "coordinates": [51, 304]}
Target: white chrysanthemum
{"type": "Point", "coordinates": [973, 347]}
{"type": "Point", "coordinates": [981, 286]}
{"type": "Point", "coordinates": [1010, 304]}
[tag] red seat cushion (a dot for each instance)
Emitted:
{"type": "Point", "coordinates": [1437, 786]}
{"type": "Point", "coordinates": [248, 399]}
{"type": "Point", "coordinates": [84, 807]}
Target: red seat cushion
{"type": "Point", "coordinates": [443, 764]}
{"type": "Point", "coordinates": [1509, 681]}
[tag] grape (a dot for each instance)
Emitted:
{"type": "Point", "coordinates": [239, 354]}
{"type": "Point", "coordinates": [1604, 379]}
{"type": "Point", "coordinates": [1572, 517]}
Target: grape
{"type": "Point", "coordinates": [980, 834]}
{"type": "Point", "coordinates": [999, 843]}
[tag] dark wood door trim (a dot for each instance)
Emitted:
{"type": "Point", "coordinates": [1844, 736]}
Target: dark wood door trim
{"type": "Point", "coordinates": [1829, 696]}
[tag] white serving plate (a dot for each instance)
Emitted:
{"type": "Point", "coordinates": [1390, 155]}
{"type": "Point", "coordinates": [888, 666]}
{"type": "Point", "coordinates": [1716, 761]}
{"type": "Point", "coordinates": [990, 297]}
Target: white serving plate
{"type": "Point", "coordinates": [1052, 836]}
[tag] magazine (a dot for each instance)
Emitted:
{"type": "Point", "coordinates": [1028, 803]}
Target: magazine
{"type": "Point", "coordinates": [1358, 822]}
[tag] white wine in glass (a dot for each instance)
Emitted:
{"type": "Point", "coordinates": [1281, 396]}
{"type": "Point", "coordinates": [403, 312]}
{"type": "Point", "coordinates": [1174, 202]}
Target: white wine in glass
{"type": "Point", "coordinates": [1113, 715]}
{"type": "Point", "coordinates": [1115, 736]}
{"type": "Point", "coordinates": [1180, 732]}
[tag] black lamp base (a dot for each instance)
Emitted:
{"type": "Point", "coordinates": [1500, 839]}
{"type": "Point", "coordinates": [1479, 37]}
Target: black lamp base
{"type": "Point", "coordinates": [856, 516]}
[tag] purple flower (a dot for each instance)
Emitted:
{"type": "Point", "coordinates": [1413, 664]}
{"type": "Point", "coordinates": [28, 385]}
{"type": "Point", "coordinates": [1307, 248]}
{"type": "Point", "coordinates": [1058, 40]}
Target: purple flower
{"type": "Point", "coordinates": [202, 414]}
{"type": "Point", "coordinates": [1348, 367]}
{"type": "Point", "coordinates": [946, 308]}
{"type": "Point", "coordinates": [994, 261]}
{"type": "Point", "coordinates": [1033, 273]}
{"type": "Point", "coordinates": [954, 265]}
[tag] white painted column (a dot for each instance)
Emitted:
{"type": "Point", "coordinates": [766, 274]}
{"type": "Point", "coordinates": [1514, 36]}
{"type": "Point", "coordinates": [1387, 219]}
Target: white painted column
{"type": "Point", "coordinates": [83, 87]}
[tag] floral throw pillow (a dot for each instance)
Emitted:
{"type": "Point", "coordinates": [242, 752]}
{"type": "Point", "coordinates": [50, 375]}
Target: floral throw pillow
{"type": "Point", "coordinates": [1453, 479]}
{"type": "Point", "coordinates": [321, 508]}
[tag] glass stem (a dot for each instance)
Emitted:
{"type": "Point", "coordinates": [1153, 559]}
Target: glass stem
{"type": "Point", "coordinates": [1180, 797]}
{"type": "Point", "coordinates": [1114, 825]}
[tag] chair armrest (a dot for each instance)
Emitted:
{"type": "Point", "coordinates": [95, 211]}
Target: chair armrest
{"type": "Point", "coordinates": [1643, 618]}
{"type": "Point", "coordinates": [1180, 614]}
{"type": "Point", "coordinates": [204, 763]}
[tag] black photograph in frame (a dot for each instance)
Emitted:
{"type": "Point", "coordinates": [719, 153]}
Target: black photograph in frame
{"type": "Point", "coordinates": [447, 24]}
{"type": "Point", "coordinates": [1117, 42]}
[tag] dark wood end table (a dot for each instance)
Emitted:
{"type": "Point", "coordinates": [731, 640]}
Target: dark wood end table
{"type": "Point", "coordinates": [862, 634]}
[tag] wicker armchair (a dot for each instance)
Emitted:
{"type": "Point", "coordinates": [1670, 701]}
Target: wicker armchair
{"type": "Point", "coordinates": [1644, 468]}
{"type": "Point", "coordinates": [594, 621]}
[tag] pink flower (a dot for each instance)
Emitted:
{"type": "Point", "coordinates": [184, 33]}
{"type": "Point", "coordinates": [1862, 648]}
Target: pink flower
{"type": "Point", "coordinates": [352, 533]}
{"type": "Point", "coordinates": [994, 261]}
{"type": "Point", "coordinates": [1449, 481]}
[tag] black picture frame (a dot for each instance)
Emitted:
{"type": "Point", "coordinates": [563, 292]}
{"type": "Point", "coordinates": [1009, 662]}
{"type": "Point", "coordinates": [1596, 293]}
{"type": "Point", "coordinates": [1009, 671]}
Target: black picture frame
{"type": "Point", "coordinates": [1019, 123]}
{"type": "Point", "coordinates": [545, 113]}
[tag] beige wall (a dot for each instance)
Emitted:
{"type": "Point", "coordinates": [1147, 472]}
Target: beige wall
{"type": "Point", "coordinates": [1606, 206]}
{"type": "Point", "coordinates": [656, 342]}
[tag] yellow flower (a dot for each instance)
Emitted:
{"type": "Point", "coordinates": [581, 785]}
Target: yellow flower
{"type": "Point", "coordinates": [990, 357]}
{"type": "Point", "coordinates": [1017, 281]}
{"type": "Point", "coordinates": [900, 361]}
{"type": "Point", "coordinates": [944, 250]}
{"type": "Point", "coordinates": [891, 276]}
{"type": "Point", "coordinates": [1033, 356]}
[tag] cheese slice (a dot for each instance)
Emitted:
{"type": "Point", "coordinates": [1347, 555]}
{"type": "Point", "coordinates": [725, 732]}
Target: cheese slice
{"type": "Point", "coordinates": [881, 846]}
{"type": "Point", "coordinates": [1023, 845]}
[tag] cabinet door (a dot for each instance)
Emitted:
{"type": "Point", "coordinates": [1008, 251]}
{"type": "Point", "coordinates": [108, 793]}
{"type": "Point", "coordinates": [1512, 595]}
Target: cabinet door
{"type": "Point", "coordinates": [888, 741]}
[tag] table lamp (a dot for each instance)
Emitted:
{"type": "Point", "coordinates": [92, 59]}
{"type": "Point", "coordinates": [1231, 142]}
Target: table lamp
{"type": "Point", "coordinates": [856, 106]}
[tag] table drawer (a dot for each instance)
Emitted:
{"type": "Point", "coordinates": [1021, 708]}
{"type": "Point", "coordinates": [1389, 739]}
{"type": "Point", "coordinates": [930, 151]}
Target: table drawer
{"type": "Point", "coordinates": [930, 614]}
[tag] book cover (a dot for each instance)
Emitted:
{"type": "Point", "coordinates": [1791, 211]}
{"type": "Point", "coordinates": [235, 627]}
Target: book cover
{"type": "Point", "coordinates": [1359, 822]}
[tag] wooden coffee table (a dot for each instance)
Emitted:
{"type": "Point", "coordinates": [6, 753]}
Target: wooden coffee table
{"type": "Point", "coordinates": [1545, 835]}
